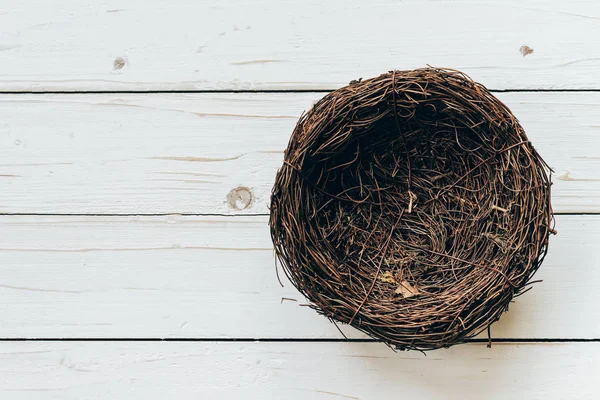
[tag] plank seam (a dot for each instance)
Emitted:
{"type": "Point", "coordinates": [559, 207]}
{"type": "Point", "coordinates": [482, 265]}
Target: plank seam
{"type": "Point", "coordinates": [266, 91]}
{"type": "Point", "coordinates": [291, 340]}
{"type": "Point", "coordinates": [189, 214]}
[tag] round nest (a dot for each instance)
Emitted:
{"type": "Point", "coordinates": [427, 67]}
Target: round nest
{"type": "Point", "coordinates": [411, 206]}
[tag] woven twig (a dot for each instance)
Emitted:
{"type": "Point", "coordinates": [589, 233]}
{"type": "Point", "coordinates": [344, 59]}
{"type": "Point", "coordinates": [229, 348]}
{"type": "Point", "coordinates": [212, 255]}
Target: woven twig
{"type": "Point", "coordinates": [411, 206]}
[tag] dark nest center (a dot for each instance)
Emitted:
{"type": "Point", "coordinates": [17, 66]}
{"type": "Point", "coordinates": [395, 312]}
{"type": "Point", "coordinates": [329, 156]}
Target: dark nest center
{"type": "Point", "coordinates": [411, 206]}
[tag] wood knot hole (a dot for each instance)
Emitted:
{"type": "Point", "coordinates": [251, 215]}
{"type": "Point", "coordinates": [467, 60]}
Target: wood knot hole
{"type": "Point", "coordinates": [525, 50]}
{"type": "Point", "coordinates": [240, 198]}
{"type": "Point", "coordinates": [119, 63]}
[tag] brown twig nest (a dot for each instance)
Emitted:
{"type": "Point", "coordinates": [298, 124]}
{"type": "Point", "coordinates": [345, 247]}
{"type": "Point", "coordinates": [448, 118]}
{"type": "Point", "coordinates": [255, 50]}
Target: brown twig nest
{"type": "Point", "coordinates": [411, 206]}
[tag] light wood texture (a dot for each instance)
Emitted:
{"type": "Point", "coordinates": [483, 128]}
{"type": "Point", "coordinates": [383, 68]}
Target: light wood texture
{"type": "Point", "coordinates": [214, 277]}
{"type": "Point", "coordinates": [236, 45]}
{"type": "Point", "coordinates": [185, 153]}
{"type": "Point", "coordinates": [153, 273]}
{"type": "Point", "coordinates": [321, 371]}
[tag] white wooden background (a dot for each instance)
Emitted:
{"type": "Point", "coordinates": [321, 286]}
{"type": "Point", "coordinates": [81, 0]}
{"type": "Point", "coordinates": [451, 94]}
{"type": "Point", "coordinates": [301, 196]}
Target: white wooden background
{"type": "Point", "coordinates": [138, 144]}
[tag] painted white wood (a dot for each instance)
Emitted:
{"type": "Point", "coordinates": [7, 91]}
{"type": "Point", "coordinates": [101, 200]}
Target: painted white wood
{"type": "Point", "coordinates": [323, 371]}
{"type": "Point", "coordinates": [272, 44]}
{"type": "Point", "coordinates": [214, 277]}
{"type": "Point", "coordinates": [184, 153]}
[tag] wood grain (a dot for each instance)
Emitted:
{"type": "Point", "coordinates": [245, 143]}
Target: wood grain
{"type": "Point", "coordinates": [323, 371]}
{"type": "Point", "coordinates": [214, 277]}
{"type": "Point", "coordinates": [211, 276]}
{"type": "Point", "coordinates": [240, 45]}
{"type": "Point", "coordinates": [218, 153]}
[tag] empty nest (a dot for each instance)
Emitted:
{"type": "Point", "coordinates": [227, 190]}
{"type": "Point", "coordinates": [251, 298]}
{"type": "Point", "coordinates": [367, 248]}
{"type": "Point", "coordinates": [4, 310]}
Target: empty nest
{"type": "Point", "coordinates": [411, 206]}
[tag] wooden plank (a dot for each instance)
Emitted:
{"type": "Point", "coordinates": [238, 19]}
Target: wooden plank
{"type": "Point", "coordinates": [214, 277]}
{"type": "Point", "coordinates": [239, 45]}
{"type": "Point", "coordinates": [185, 153]}
{"type": "Point", "coordinates": [151, 370]}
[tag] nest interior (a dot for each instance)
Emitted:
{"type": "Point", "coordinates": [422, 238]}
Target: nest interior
{"type": "Point", "coordinates": [411, 206]}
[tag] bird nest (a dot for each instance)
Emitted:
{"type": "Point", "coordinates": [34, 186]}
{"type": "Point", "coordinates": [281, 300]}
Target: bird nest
{"type": "Point", "coordinates": [411, 206]}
